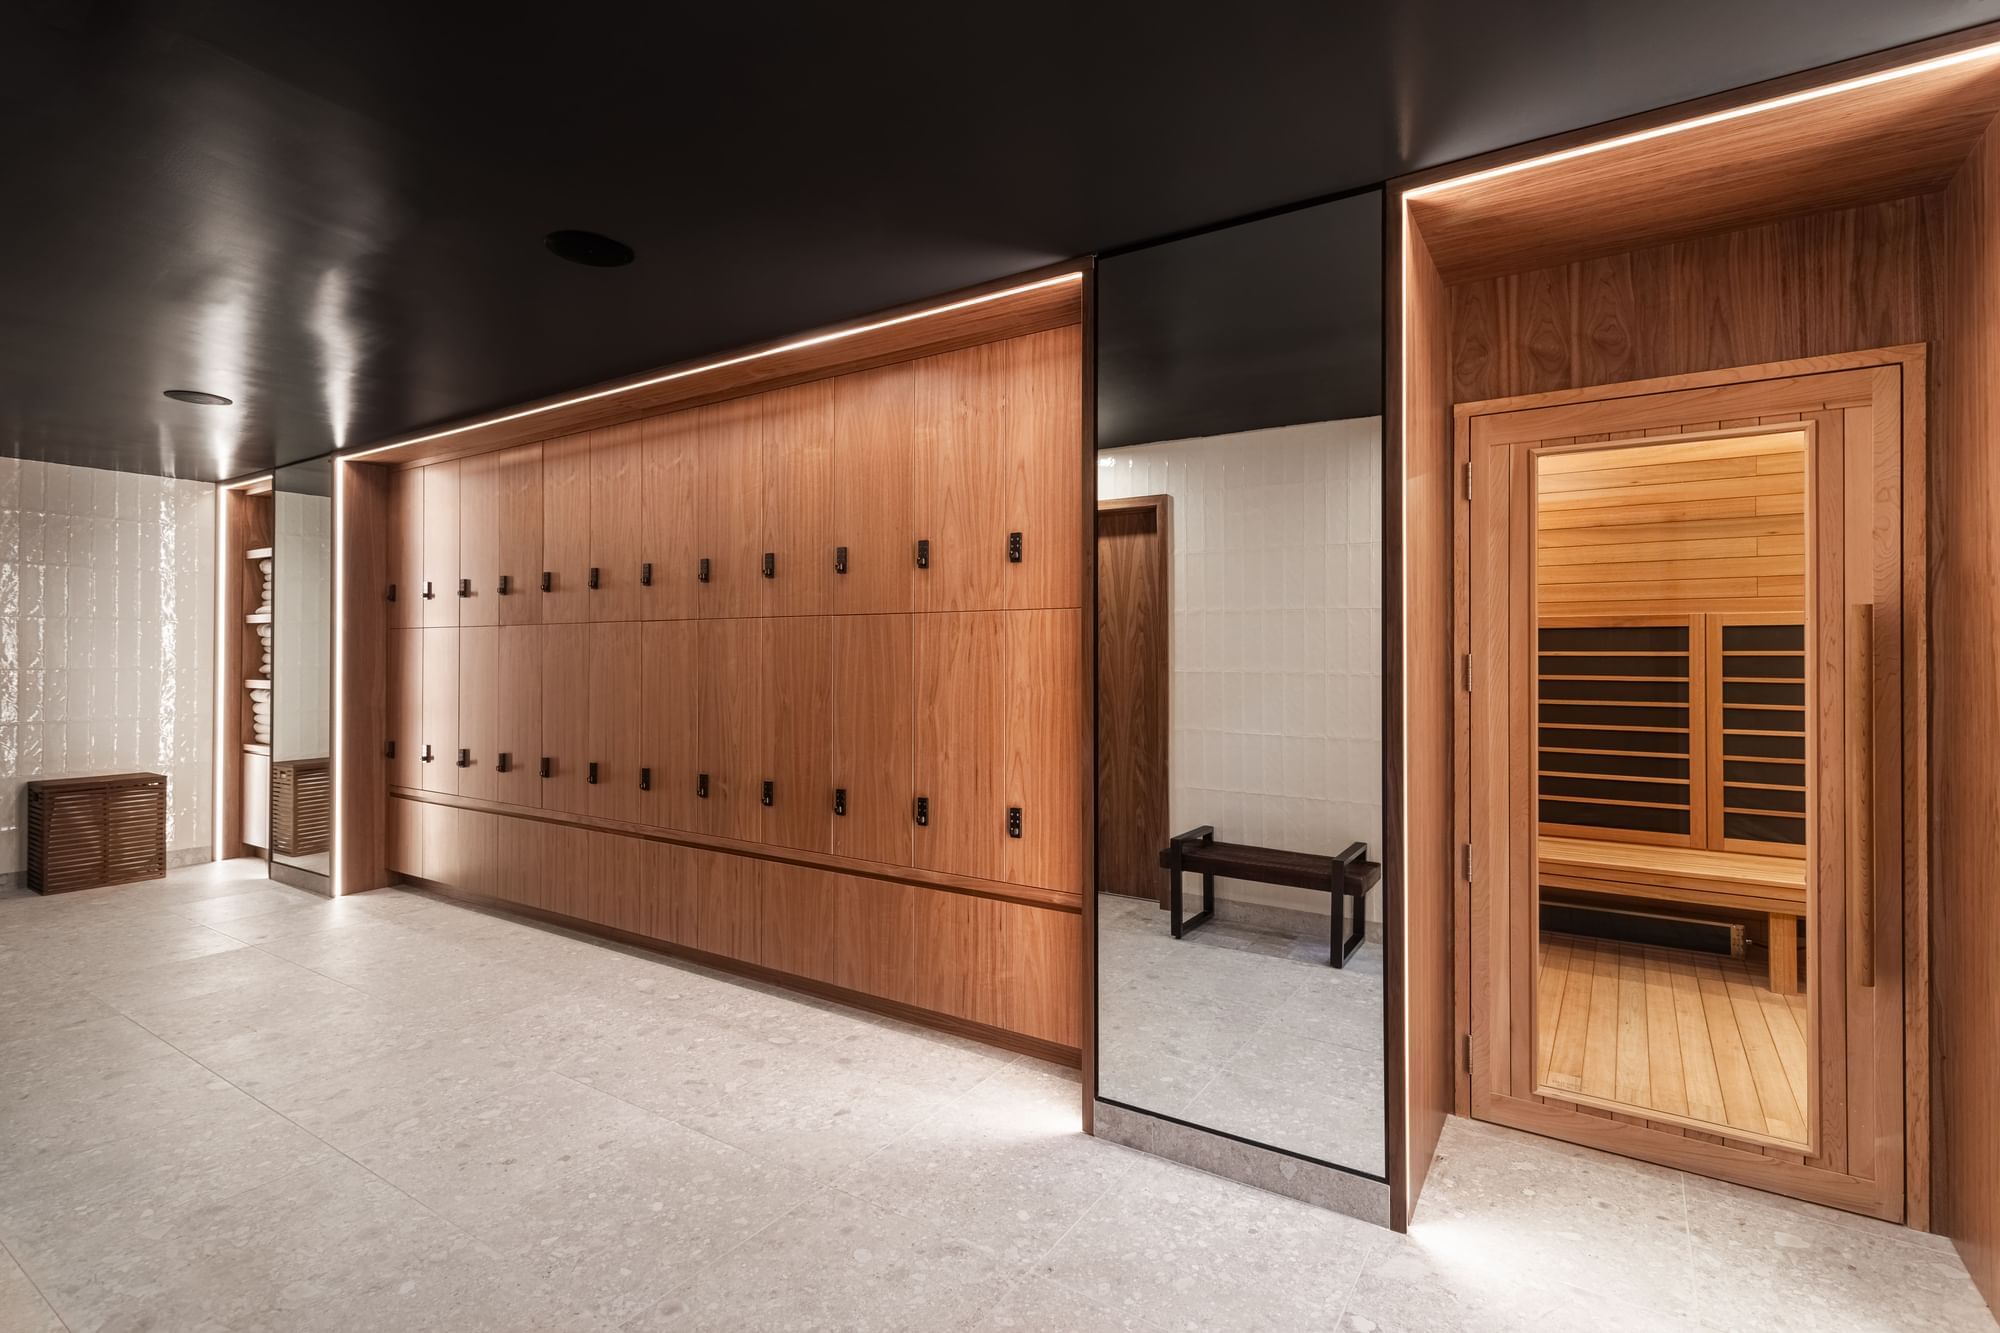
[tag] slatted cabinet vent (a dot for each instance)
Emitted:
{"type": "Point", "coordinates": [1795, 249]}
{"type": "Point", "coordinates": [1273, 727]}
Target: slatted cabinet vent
{"type": "Point", "coordinates": [84, 833]}
{"type": "Point", "coordinates": [301, 807]}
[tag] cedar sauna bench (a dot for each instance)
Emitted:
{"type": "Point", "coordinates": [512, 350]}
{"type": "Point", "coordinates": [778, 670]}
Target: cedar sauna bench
{"type": "Point", "coordinates": [785, 674]}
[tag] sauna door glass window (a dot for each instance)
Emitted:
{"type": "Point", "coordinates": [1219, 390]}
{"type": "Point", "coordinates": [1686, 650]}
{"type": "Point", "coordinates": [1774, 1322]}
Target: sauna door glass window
{"type": "Point", "coordinates": [1238, 653]}
{"type": "Point", "coordinates": [301, 693]}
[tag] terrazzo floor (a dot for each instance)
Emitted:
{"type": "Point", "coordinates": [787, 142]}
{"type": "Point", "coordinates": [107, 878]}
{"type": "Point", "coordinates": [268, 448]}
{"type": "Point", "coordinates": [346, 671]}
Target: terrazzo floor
{"type": "Point", "coordinates": [225, 1104]}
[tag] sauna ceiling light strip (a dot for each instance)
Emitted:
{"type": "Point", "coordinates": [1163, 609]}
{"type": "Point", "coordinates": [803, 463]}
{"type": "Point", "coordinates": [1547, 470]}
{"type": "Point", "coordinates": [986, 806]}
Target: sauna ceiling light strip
{"type": "Point", "coordinates": [817, 340]}
{"type": "Point", "coordinates": [1801, 97]}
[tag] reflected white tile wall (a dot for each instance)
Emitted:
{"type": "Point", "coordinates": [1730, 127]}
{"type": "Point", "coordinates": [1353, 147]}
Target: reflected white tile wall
{"type": "Point", "coordinates": [107, 588]}
{"type": "Point", "coordinates": [1276, 701]}
{"type": "Point", "coordinates": [303, 648]}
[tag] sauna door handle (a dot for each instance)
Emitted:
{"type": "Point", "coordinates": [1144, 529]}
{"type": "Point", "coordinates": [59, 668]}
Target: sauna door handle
{"type": "Point", "coordinates": [1861, 792]}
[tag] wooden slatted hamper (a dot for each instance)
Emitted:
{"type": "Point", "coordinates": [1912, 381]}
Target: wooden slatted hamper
{"type": "Point", "coordinates": [84, 833]}
{"type": "Point", "coordinates": [301, 806]}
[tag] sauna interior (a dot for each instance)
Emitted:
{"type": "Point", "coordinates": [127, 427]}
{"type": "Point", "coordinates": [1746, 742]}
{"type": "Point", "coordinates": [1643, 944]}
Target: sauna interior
{"type": "Point", "coordinates": [1696, 719]}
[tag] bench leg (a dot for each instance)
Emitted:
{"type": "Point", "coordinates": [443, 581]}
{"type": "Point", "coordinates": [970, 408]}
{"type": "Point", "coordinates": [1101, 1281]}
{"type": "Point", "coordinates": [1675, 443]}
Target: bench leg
{"type": "Point", "coordinates": [1174, 901]}
{"type": "Point", "coordinates": [1357, 935]}
{"type": "Point", "coordinates": [1784, 953]}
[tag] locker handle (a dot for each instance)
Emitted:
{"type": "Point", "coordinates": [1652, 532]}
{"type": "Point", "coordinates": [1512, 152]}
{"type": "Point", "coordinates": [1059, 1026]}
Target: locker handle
{"type": "Point", "coordinates": [392, 592]}
{"type": "Point", "coordinates": [465, 759]}
{"type": "Point", "coordinates": [701, 785]}
{"type": "Point", "coordinates": [503, 585]}
{"type": "Point", "coordinates": [548, 766]}
{"type": "Point", "coordinates": [1860, 792]}
{"type": "Point", "coordinates": [645, 779]}
{"type": "Point", "coordinates": [646, 574]}
{"type": "Point", "coordinates": [924, 553]}
{"type": "Point", "coordinates": [429, 594]}
{"type": "Point", "coordinates": [840, 559]}
{"type": "Point", "coordinates": [389, 750]}
{"type": "Point", "coordinates": [767, 792]}
{"type": "Point", "coordinates": [1013, 548]}
{"type": "Point", "coordinates": [593, 577]}
{"type": "Point", "coordinates": [701, 574]}
{"type": "Point", "coordinates": [504, 762]}
{"type": "Point", "coordinates": [465, 587]}
{"type": "Point", "coordinates": [840, 800]}
{"type": "Point", "coordinates": [548, 581]}
{"type": "Point", "coordinates": [770, 564]}
{"type": "Point", "coordinates": [923, 810]}
{"type": "Point", "coordinates": [1013, 821]}
{"type": "Point", "coordinates": [427, 756]}
{"type": "Point", "coordinates": [592, 777]}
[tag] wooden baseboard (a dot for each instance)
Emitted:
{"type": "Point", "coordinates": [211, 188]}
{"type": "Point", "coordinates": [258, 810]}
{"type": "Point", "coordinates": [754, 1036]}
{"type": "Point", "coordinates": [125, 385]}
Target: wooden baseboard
{"type": "Point", "coordinates": [1068, 1056]}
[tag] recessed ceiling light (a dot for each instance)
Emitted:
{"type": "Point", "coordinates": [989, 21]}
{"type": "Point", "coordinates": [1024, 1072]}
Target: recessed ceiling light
{"type": "Point", "coordinates": [197, 396]}
{"type": "Point", "coordinates": [588, 247]}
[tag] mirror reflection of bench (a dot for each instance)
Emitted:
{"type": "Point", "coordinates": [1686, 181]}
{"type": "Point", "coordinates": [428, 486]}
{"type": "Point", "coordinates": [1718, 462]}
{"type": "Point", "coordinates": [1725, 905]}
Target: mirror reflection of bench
{"type": "Point", "coordinates": [1773, 886]}
{"type": "Point", "coordinates": [1349, 877]}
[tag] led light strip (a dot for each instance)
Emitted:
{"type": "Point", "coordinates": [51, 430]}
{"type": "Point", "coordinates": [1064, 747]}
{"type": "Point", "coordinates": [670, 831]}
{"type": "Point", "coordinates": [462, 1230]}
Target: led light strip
{"type": "Point", "coordinates": [817, 340]}
{"type": "Point", "coordinates": [336, 861]}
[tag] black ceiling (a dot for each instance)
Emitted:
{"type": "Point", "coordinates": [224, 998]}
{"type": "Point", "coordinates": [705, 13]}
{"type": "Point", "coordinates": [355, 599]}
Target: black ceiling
{"type": "Point", "coordinates": [334, 213]}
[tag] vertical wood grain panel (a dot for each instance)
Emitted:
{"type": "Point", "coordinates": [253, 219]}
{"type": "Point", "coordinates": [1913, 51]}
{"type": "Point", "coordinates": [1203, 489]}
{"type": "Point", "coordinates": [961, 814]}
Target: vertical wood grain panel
{"type": "Point", "coordinates": [617, 490]}
{"type": "Point", "coordinates": [439, 589]}
{"type": "Point", "coordinates": [405, 706]}
{"type": "Point", "coordinates": [519, 851]}
{"type": "Point", "coordinates": [518, 548]}
{"type": "Point", "coordinates": [404, 853]}
{"type": "Point", "coordinates": [479, 481]}
{"type": "Point", "coordinates": [729, 527]}
{"type": "Point", "coordinates": [565, 869]}
{"type": "Point", "coordinates": [616, 723]}
{"type": "Point", "coordinates": [797, 716]}
{"type": "Point", "coordinates": [612, 892]}
{"type": "Point", "coordinates": [730, 734]}
{"type": "Point", "coordinates": [565, 717]}
{"type": "Point", "coordinates": [479, 710]}
{"type": "Point", "coordinates": [670, 653]}
{"type": "Point", "coordinates": [798, 482]}
{"type": "Point", "coordinates": [406, 547]}
{"type": "Point", "coordinates": [440, 711]}
{"type": "Point", "coordinates": [874, 722]}
{"type": "Point", "coordinates": [1134, 626]}
{"type": "Point", "coordinates": [517, 731]}
{"type": "Point", "coordinates": [670, 445]}
{"type": "Point", "coordinates": [961, 716]}
{"type": "Point", "coordinates": [566, 529]}
{"type": "Point", "coordinates": [875, 490]}
{"type": "Point", "coordinates": [1041, 774]}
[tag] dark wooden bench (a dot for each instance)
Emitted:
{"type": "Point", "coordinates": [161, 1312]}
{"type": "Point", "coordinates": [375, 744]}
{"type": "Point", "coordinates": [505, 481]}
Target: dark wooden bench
{"type": "Point", "coordinates": [1350, 876]}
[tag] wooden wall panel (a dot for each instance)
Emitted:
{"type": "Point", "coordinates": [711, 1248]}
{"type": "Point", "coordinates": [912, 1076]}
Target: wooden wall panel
{"type": "Point", "coordinates": [405, 707]}
{"type": "Point", "coordinates": [519, 852]}
{"type": "Point", "coordinates": [616, 723]}
{"type": "Point", "coordinates": [565, 718]}
{"type": "Point", "coordinates": [729, 527]}
{"type": "Point", "coordinates": [1134, 632]}
{"type": "Point", "coordinates": [874, 734]}
{"type": "Point", "coordinates": [565, 852]}
{"type": "Point", "coordinates": [479, 482]}
{"type": "Point", "coordinates": [479, 710]}
{"type": "Point", "coordinates": [439, 590]}
{"type": "Point", "coordinates": [873, 507]}
{"type": "Point", "coordinates": [671, 448]}
{"type": "Point", "coordinates": [797, 715]}
{"type": "Point", "coordinates": [518, 547]}
{"type": "Point", "coordinates": [1040, 772]}
{"type": "Point", "coordinates": [405, 522]}
{"type": "Point", "coordinates": [730, 734]}
{"type": "Point", "coordinates": [438, 753]}
{"type": "Point", "coordinates": [670, 665]}
{"type": "Point", "coordinates": [797, 514]}
{"type": "Point", "coordinates": [612, 892]}
{"type": "Point", "coordinates": [961, 722]}
{"type": "Point", "coordinates": [517, 731]}
{"type": "Point", "coordinates": [617, 491]}
{"type": "Point", "coordinates": [360, 767]}
{"type": "Point", "coordinates": [566, 529]}
{"type": "Point", "coordinates": [1965, 731]}
{"type": "Point", "coordinates": [987, 413]}
{"type": "Point", "coordinates": [404, 854]}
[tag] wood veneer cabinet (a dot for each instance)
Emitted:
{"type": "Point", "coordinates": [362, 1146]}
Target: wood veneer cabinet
{"type": "Point", "coordinates": [617, 487]}
{"type": "Point", "coordinates": [437, 758]}
{"type": "Point", "coordinates": [439, 589]}
{"type": "Point", "coordinates": [565, 568]}
{"type": "Point", "coordinates": [405, 538]}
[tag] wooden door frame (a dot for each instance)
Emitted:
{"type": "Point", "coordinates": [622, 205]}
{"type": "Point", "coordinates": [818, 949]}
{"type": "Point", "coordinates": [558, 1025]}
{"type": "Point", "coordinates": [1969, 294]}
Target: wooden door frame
{"type": "Point", "coordinates": [1910, 362]}
{"type": "Point", "coordinates": [1163, 515]}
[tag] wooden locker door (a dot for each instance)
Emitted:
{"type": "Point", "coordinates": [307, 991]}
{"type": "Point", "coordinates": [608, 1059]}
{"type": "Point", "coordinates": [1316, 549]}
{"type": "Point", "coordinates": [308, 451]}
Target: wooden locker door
{"type": "Point", "coordinates": [874, 727]}
{"type": "Point", "coordinates": [478, 709]}
{"type": "Point", "coordinates": [565, 717]}
{"type": "Point", "coordinates": [1004, 422]}
{"type": "Point", "coordinates": [671, 707]}
{"type": "Point", "coordinates": [406, 707]}
{"type": "Point", "coordinates": [518, 548]}
{"type": "Point", "coordinates": [729, 529]}
{"type": "Point", "coordinates": [616, 730]}
{"type": "Point", "coordinates": [798, 733]}
{"type": "Point", "coordinates": [438, 755]}
{"type": "Point", "coordinates": [730, 734]}
{"type": "Point", "coordinates": [1042, 751]}
{"type": "Point", "coordinates": [440, 577]}
{"type": "Point", "coordinates": [617, 492]}
{"type": "Point", "coordinates": [479, 538]}
{"type": "Point", "coordinates": [961, 705]}
{"type": "Point", "coordinates": [517, 860]}
{"type": "Point", "coordinates": [406, 548]}
{"type": "Point", "coordinates": [671, 462]}
{"type": "Point", "coordinates": [566, 530]}
{"type": "Point", "coordinates": [873, 509]}
{"type": "Point", "coordinates": [612, 889]}
{"type": "Point", "coordinates": [798, 479]}
{"type": "Point", "coordinates": [517, 731]}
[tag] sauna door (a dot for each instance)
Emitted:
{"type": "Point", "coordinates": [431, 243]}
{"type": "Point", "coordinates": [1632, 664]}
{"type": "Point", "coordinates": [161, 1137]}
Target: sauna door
{"type": "Point", "coordinates": [1694, 723]}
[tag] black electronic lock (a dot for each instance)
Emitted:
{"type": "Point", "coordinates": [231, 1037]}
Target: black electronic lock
{"type": "Point", "coordinates": [389, 750]}
{"type": "Point", "coordinates": [701, 785]}
{"type": "Point", "coordinates": [840, 559]}
{"type": "Point", "coordinates": [923, 810]}
{"type": "Point", "coordinates": [1013, 821]}
{"type": "Point", "coordinates": [645, 779]}
{"type": "Point", "coordinates": [548, 766]}
{"type": "Point", "coordinates": [591, 775]}
{"type": "Point", "coordinates": [840, 800]}
{"type": "Point", "coordinates": [924, 553]}
{"type": "Point", "coordinates": [768, 792]}
{"type": "Point", "coordinates": [646, 574]}
{"type": "Point", "coordinates": [504, 763]}
{"type": "Point", "coordinates": [392, 592]}
{"type": "Point", "coordinates": [503, 585]}
{"type": "Point", "coordinates": [770, 564]}
{"type": "Point", "coordinates": [465, 758]}
{"type": "Point", "coordinates": [701, 572]}
{"type": "Point", "coordinates": [593, 577]}
{"type": "Point", "coordinates": [1013, 548]}
{"type": "Point", "coordinates": [465, 587]}
{"type": "Point", "coordinates": [548, 581]}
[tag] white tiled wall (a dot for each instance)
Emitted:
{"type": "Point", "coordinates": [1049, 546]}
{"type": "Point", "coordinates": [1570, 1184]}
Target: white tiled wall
{"type": "Point", "coordinates": [107, 590]}
{"type": "Point", "coordinates": [303, 649]}
{"type": "Point", "coordinates": [1276, 698]}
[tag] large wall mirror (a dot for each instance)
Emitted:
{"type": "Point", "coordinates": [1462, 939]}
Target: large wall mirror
{"type": "Point", "coordinates": [1239, 690]}
{"type": "Point", "coordinates": [300, 701]}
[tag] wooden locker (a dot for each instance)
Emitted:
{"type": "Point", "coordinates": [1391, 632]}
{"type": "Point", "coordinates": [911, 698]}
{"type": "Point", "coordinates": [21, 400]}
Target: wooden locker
{"type": "Point", "coordinates": [518, 854]}
{"type": "Point", "coordinates": [797, 715]}
{"type": "Point", "coordinates": [479, 709]}
{"type": "Point", "coordinates": [670, 666]}
{"type": "Point", "coordinates": [663, 870]}
{"type": "Point", "coordinates": [1043, 752]}
{"type": "Point", "coordinates": [730, 733]}
{"type": "Point", "coordinates": [440, 576]}
{"type": "Point", "coordinates": [1001, 441]}
{"type": "Point", "coordinates": [406, 548]}
{"type": "Point", "coordinates": [617, 489]}
{"type": "Point", "coordinates": [612, 889]}
{"type": "Point", "coordinates": [718, 903]}
{"type": "Point", "coordinates": [517, 731]}
{"type": "Point", "coordinates": [477, 867]}
{"type": "Point", "coordinates": [565, 718]}
{"type": "Point", "coordinates": [565, 867]}
{"type": "Point", "coordinates": [671, 461]}
{"type": "Point", "coordinates": [441, 844]}
{"type": "Point", "coordinates": [406, 845]}
{"type": "Point", "coordinates": [874, 721]}
{"type": "Point", "coordinates": [518, 559]}
{"type": "Point", "coordinates": [438, 754]}
{"type": "Point", "coordinates": [795, 920]}
{"type": "Point", "coordinates": [797, 516]}
{"type": "Point", "coordinates": [566, 530]}
{"type": "Point", "coordinates": [729, 528]}
{"type": "Point", "coordinates": [873, 507]}
{"type": "Point", "coordinates": [405, 707]}
{"type": "Point", "coordinates": [616, 726]}
{"type": "Point", "coordinates": [478, 538]}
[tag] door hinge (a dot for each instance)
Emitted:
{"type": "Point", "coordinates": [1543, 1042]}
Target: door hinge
{"type": "Point", "coordinates": [1467, 1048]}
{"type": "Point", "coordinates": [1468, 481]}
